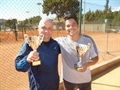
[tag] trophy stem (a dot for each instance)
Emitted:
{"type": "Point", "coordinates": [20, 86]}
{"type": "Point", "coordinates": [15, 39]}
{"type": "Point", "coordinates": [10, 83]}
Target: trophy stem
{"type": "Point", "coordinates": [80, 59]}
{"type": "Point", "coordinates": [79, 64]}
{"type": "Point", "coordinates": [36, 63]}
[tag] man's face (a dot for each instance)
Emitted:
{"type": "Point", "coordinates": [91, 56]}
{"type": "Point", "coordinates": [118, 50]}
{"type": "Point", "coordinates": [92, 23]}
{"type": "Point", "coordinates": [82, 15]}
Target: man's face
{"type": "Point", "coordinates": [46, 28]}
{"type": "Point", "coordinates": [71, 27]}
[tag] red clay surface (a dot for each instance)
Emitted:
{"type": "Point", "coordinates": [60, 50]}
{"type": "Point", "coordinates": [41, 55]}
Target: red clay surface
{"type": "Point", "coordinates": [108, 45]}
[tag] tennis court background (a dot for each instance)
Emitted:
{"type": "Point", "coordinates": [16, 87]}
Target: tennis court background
{"type": "Point", "coordinates": [107, 43]}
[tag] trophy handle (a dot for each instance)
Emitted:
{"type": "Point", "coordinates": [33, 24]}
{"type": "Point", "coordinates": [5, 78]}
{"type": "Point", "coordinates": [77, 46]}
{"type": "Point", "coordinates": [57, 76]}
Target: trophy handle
{"type": "Point", "coordinates": [88, 46]}
{"type": "Point", "coordinates": [26, 37]}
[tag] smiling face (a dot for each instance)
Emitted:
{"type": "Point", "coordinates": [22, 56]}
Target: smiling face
{"type": "Point", "coordinates": [46, 28]}
{"type": "Point", "coordinates": [71, 27]}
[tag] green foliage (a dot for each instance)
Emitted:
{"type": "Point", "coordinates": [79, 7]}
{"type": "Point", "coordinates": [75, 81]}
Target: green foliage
{"type": "Point", "coordinates": [99, 16]}
{"type": "Point", "coordinates": [107, 5]}
{"type": "Point", "coordinates": [11, 23]}
{"type": "Point", "coordinates": [34, 20]}
{"type": "Point", "coordinates": [30, 22]}
{"type": "Point", "coordinates": [60, 7]}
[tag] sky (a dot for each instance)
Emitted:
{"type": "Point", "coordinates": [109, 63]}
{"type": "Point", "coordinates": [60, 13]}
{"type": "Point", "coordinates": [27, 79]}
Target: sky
{"type": "Point", "coordinates": [99, 4]}
{"type": "Point", "coordinates": [22, 9]}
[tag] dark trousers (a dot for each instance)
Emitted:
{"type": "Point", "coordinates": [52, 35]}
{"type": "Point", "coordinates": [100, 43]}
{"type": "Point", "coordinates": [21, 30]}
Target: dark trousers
{"type": "Point", "coordinates": [73, 86]}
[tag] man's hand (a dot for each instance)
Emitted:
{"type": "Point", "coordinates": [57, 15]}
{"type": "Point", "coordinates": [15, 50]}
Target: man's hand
{"type": "Point", "coordinates": [83, 68]}
{"type": "Point", "coordinates": [33, 56]}
{"type": "Point", "coordinates": [91, 62]}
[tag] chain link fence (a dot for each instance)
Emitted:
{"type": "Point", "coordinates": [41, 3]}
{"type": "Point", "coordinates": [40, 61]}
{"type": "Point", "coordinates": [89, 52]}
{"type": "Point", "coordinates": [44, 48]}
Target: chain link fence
{"type": "Point", "coordinates": [19, 17]}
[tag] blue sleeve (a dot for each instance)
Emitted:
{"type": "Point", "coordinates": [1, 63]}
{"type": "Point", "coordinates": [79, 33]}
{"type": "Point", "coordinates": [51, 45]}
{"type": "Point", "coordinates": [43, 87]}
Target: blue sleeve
{"type": "Point", "coordinates": [58, 41]}
{"type": "Point", "coordinates": [94, 45]}
{"type": "Point", "coordinates": [21, 63]}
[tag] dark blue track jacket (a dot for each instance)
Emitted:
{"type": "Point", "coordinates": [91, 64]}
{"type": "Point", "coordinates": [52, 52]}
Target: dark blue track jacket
{"type": "Point", "coordinates": [44, 76]}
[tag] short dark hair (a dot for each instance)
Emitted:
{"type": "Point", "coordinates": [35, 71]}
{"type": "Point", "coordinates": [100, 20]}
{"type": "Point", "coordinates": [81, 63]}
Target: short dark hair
{"type": "Point", "coordinates": [71, 16]}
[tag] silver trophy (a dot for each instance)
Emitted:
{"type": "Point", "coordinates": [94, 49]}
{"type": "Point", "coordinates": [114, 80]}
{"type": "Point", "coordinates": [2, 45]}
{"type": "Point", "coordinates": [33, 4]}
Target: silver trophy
{"type": "Point", "coordinates": [34, 42]}
{"type": "Point", "coordinates": [81, 49]}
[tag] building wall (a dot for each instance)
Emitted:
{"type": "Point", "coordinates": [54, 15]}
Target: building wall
{"type": "Point", "coordinates": [93, 27]}
{"type": "Point", "coordinates": [86, 27]}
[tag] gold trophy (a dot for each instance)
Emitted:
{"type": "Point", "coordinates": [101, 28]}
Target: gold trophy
{"type": "Point", "coordinates": [81, 49]}
{"type": "Point", "coordinates": [34, 42]}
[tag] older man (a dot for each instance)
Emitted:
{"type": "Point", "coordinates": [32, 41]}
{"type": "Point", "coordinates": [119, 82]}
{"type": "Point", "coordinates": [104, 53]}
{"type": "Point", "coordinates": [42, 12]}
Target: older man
{"type": "Point", "coordinates": [44, 76]}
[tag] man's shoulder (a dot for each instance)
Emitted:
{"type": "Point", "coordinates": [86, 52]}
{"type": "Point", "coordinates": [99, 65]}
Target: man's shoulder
{"type": "Point", "coordinates": [87, 36]}
{"type": "Point", "coordinates": [60, 38]}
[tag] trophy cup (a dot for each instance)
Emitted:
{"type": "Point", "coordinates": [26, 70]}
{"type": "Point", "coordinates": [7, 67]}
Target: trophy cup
{"type": "Point", "coordinates": [34, 42]}
{"type": "Point", "coordinates": [81, 49]}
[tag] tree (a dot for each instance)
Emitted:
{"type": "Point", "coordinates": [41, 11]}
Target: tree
{"type": "Point", "coordinates": [107, 10]}
{"type": "Point", "coordinates": [116, 20]}
{"type": "Point", "coordinates": [60, 7]}
{"type": "Point", "coordinates": [11, 23]}
{"type": "Point", "coordinates": [90, 16]}
{"type": "Point", "coordinates": [98, 14]}
{"type": "Point", "coordinates": [107, 5]}
{"type": "Point", "coordinates": [8, 23]}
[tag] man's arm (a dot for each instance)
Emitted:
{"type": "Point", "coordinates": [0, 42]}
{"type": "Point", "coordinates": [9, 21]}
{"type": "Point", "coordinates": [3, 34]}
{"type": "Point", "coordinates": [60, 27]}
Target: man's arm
{"type": "Point", "coordinates": [89, 63]}
{"type": "Point", "coordinates": [92, 61]}
{"type": "Point", "coordinates": [21, 63]}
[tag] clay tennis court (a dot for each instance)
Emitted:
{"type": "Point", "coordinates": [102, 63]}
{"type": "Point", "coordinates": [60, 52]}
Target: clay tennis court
{"type": "Point", "coordinates": [108, 45]}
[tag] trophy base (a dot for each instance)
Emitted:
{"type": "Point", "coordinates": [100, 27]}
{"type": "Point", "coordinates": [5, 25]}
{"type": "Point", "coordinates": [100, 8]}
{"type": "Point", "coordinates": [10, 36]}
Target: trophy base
{"type": "Point", "coordinates": [36, 63]}
{"type": "Point", "coordinates": [78, 66]}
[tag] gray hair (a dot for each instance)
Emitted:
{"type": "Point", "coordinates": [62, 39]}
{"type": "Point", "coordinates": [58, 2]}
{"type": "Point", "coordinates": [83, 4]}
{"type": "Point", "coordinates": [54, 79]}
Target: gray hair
{"type": "Point", "coordinates": [44, 20]}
